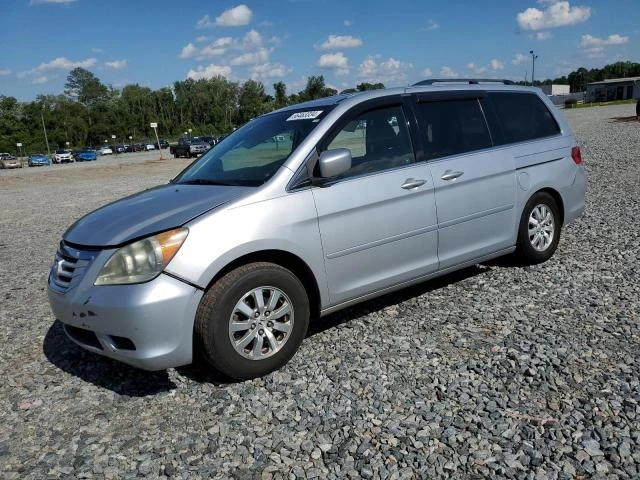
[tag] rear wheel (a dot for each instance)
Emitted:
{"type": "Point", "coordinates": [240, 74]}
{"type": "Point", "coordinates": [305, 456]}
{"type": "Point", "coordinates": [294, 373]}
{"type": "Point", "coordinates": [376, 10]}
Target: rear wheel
{"type": "Point", "coordinates": [252, 320]}
{"type": "Point", "coordinates": [539, 230]}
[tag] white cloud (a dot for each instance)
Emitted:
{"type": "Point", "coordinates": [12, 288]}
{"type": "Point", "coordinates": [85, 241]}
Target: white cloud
{"type": "Point", "coordinates": [591, 41]}
{"type": "Point", "coordinates": [233, 17]}
{"type": "Point", "coordinates": [519, 58]}
{"type": "Point", "coordinates": [188, 51]}
{"type": "Point", "coordinates": [476, 68]}
{"type": "Point", "coordinates": [62, 63]}
{"type": "Point", "coordinates": [202, 39]}
{"type": "Point", "coordinates": [4, 71]}
{"type": "Point", "coordinates": [541, 36]}
{"type": "Point", "coordinates": [249, 58]}
{"type": "Point", "coordinates": [390, 71]}
{"type": "Point", "coordinates": [210, 51]}
{"type": "Point", "coordinates": [432, 25]}
{"type": "Point", "coordinates": [448, 72]}
{"type": "Point", "coordinates": [210, 71]}
{"type": "Point", "coordinates": [252, 39]}
{"type": "Point", "coordinates": [347, 23]}
{"type": "Point", "coordinates": [496, 64]}
{"type": "Point", "coordinates": [269, 70]}
{"type": "Point", "coordinates": [427, 72]}
{"type": "Point", "coordinates": [41, 79]}
{"type": "Point", "coordinates": [58, 2]}
{"type": "Point", "coordinates": [335, 42]}
{"type": "Point", "coordinates": [556, 14]}
{"type": "Point", "coordinates": [116, 64]}
{"type": "Point", "coordinates": [96, 50]}
{"type": "Point", "coordinates": [205, 22]}
{"type": "Point", "coordinates": [251, 44]}
{"type": "Point", "coordinates": [336, 61]}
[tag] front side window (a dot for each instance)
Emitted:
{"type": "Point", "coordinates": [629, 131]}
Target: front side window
{"type": "Point", "coordinates": [254, 153]}
{"type": "Point", "coordinates": [378, 139]}
{"type": "Point", "coordinates": [453, 127]}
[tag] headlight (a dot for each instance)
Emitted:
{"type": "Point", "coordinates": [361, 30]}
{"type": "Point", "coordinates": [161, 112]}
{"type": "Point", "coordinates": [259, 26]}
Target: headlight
{"type": "Point", "coordinates": [143, 260]}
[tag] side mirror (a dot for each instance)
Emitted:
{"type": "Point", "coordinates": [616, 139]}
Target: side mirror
{"type": "Point", "coordinates": [334, 162]}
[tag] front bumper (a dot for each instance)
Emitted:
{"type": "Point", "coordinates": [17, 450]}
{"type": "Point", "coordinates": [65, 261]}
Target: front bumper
{"type": "Point", "coordinates": [148, 325]}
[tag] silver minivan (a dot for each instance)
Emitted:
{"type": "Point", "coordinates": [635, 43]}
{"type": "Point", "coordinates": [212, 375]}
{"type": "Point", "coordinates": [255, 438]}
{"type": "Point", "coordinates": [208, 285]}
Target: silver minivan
{"type": "Point", "coordinates": [310, 209]}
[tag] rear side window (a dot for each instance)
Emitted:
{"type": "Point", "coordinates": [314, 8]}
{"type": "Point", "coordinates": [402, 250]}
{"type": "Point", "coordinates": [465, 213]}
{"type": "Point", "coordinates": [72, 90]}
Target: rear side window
{"type": "Point", "coordinates": [453, 127]}
{"type": "Point", "coordinates": [522, 117]}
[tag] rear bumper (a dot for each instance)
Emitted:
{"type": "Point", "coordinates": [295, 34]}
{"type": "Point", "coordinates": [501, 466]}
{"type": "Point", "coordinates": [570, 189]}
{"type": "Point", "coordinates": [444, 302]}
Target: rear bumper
{"type": "Point", "coordinates": [149, 325]}
{"type": "Point", "coordinates": [574, 196]}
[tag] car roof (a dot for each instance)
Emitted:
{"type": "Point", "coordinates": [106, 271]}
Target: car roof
{"type": "Point", "coordinates": [433, 85]}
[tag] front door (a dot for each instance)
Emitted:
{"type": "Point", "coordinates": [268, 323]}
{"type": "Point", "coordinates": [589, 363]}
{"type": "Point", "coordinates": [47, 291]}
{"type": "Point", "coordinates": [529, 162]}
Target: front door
{"type": "Point", "coordinates": [378, 220]}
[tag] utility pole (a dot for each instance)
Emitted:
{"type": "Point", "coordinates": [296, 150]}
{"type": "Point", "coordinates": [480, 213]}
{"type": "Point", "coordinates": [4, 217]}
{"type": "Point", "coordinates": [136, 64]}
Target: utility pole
{"type": "Point", "coordinates": [533, 68]}
{"type": "Point", "coordinates": [45, 134]}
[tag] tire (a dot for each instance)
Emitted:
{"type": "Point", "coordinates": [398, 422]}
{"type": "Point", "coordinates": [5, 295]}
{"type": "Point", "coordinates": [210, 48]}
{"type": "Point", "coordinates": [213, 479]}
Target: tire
{"type": "Point", "coordinates": [638, 108]}
{"type": "Point", "coordinates": [218, 309]}
{"type": "Point", "coordinates": [543, 241]}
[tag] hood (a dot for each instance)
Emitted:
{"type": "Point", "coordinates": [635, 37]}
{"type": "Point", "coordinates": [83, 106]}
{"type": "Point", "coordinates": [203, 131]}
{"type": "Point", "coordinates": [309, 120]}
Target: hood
{"type": "Point", "coordinates": [151, 211]}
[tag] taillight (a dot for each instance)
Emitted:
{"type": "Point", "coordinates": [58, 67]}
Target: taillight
{"type": "Point", "coordinates": [576, 155]}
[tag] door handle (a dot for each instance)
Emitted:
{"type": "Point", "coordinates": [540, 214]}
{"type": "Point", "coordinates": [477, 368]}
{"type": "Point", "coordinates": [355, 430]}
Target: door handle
{"type": "Point", "coordinates": [451, 175]}
{"type": "Point", "coordinates": [410, 183]}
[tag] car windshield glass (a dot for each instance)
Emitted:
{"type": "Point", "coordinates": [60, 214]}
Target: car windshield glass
{"type": "Point", "coordinates": [61, 151]}
{"type": "Point", "coordinates": [252, 154]}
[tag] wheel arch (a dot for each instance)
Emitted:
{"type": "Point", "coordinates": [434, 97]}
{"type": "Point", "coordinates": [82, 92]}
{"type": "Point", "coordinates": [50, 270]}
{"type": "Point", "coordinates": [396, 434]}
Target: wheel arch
{"type": "Point", "coordinates": [557, 197]}
{"type": "Point", "coordinates": [285, 259]}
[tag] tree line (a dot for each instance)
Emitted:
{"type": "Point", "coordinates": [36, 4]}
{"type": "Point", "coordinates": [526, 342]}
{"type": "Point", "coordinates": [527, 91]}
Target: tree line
{"type": "Point", "coordinates": [90, 112]}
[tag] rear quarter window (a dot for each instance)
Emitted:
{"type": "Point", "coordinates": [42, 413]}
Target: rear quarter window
{"type": "Point", "coordinates": [521, 117]}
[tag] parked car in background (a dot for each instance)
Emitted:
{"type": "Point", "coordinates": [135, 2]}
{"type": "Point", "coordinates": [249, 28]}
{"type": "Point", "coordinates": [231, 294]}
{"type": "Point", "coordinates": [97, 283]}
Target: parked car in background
{"type": "Point", "coordinates": [149, 146]}
{"type": "Point", "coordinates": [86, 155]}
{"type": "Point", "coordinates": [38, 159]}
{"type": "Point", "coordinates": [105, 151]}
{"type": "Point", "coordinates": [63, 156]}
{"type": "Point", "coordinates": [9, 161]}
{"type": "Point", "coordinates": [163, 144]}
{"type": "Point", "coordinates": [189, 147]}
{"type": "Point", "coordinates": [210, 140]}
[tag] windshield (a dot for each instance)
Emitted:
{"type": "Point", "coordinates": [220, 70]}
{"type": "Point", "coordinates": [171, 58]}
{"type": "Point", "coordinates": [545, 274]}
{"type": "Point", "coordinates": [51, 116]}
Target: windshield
{"type": "Point", "coordinates": [61, 151]}
{"type": "Point", "coordinates": [254, 153]}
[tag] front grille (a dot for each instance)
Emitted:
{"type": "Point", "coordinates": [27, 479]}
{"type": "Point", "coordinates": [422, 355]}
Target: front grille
{"type": "Point", "coordinates": [69, 266]}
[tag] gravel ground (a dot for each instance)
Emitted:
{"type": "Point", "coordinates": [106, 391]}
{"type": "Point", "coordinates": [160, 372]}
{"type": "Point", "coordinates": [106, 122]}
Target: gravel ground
{"type": "Point", "coordinates": [496, 371]}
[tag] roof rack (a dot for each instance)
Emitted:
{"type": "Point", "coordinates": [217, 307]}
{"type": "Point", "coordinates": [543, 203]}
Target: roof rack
{"type": "Point", "coordinates": [470, 81]}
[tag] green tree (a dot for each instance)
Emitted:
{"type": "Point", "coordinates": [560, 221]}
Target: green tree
{"type": "Point", "coordinates": [281, 94]}
{"type": "Point", "coordinates": [84, 87]}
{"type": "Point", "coordinates": [251, 102]}
{"type": "Point", "coordinates": [316, 88]}
{"type": "Point", "coordinates": [369, 86]}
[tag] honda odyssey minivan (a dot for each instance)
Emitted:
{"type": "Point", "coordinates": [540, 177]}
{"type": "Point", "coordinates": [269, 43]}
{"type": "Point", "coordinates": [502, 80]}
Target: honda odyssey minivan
{"type": "Point", "coordinates": [310, 209]}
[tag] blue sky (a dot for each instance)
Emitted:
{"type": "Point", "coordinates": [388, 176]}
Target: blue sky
{"type": "Point", "coordinates": [154, 43]}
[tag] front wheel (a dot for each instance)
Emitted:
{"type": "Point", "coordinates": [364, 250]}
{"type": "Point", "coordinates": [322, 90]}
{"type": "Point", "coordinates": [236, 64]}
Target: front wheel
{"type": "Point", "coordinates": [539, 230]}
{"type": "Point", "coordinates": [252, 320]}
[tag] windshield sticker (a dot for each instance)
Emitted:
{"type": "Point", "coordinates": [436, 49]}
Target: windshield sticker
{"type": "Point", "coordinates": [305, 115]}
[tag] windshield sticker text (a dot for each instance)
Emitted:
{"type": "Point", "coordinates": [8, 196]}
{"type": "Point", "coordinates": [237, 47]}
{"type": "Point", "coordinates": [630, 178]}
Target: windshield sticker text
{"type": "Point", "coordinates": [304, 115]}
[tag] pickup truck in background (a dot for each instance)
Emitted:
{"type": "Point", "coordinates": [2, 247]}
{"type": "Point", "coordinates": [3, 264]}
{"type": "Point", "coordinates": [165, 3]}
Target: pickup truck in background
{"type": "Point", "coordinates": [189, 147]}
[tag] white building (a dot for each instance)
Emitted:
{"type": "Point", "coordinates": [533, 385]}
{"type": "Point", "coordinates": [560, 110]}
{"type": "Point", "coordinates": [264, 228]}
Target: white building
{"type": "Point", "coordinates": [555, 89]}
